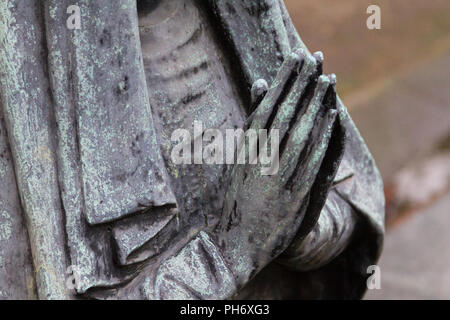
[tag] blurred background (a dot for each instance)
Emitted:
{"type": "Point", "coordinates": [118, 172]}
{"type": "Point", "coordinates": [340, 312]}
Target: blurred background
{"type": "Point", "coordinates": [396, 84]}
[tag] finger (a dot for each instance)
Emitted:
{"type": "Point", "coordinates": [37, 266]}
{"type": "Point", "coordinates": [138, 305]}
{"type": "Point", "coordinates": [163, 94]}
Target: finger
{"type": "Point", "coordinates": [280, 85]}
{"type": "Point", "coordinates": [258, 91]}
{"type": "Point", "coordinates": [302, 129]}
{"type": "Point", "coordinates": [289, 108]}
{"type": "Point", "coordinates": [303, 179]}
{"type": "Point", "coordinates": [318, 55]}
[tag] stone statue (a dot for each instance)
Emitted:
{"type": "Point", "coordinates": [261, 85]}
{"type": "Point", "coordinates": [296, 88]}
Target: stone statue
{"type": "Point", "coordinates": [93, 205]}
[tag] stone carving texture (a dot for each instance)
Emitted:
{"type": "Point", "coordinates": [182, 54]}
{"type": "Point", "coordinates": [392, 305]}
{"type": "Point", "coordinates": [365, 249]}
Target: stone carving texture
{"type": "Point", "coordinates": [87, 180]}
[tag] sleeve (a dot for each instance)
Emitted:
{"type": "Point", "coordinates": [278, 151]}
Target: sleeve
{"type": "Point", "coordinates": [196, 272]}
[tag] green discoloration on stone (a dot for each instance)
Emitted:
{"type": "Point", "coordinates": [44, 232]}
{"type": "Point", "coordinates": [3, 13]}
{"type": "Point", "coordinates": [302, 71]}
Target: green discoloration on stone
{"type": "Point", "coordinates": [89, 115]}
{"type": "Point", "coordinates": [25, 99]}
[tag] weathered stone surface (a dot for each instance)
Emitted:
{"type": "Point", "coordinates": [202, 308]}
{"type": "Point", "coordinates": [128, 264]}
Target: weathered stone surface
{"type": "Point", "coordinates": [16, 270]}
{"type": "Point", "coordinates": [89, 115]}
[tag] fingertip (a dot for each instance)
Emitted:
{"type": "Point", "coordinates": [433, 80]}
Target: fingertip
{"type": "Point", "coordinates": [258, 91]}
{"type": "Point", "coordinates": [324, 80]}
{"type": "Point", "coordinates": [260, 86]}
{"type": "Point", "coordinates": [293, 57]}
{"type": "Point", "coordinates": [293, 61]}
{"type": "Point", "coordinates": [333, 79]}
{"type": "Point", "coordinates": [318, 55]}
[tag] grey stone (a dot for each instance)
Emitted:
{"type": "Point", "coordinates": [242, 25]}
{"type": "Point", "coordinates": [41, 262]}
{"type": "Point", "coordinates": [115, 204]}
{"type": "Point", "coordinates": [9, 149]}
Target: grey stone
{"type": "Point", "coordinates": [89, 115]}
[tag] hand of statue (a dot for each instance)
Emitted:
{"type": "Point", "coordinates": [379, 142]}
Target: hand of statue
{"type": "Point", "coordinates": [263, 210]}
